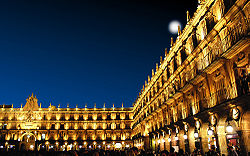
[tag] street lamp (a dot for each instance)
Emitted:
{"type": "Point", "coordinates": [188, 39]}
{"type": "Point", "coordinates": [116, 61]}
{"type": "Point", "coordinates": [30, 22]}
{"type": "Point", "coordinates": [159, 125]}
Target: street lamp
{"type": "Point", "coordinates": [210, 131]}
{"type": "Point", "coordinates": [229, 128]}
{"type": "Point", "coordinates": [176, 138]}
{"type": "Point", "coordinates": [185, 136]}
{"type": "Point", "coordinates": [196, 134]}
{"type": "Point", "coordinates": [169, 139]}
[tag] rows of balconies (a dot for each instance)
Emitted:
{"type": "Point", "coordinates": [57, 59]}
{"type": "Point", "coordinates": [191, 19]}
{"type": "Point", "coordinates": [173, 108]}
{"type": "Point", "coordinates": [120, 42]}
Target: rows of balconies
{"type": "Point", "coordinates": [65, 116]}
{"type": "Point", "coordinates": [196, 67]}
{"type": "Point", "coordinates": [71, 126]}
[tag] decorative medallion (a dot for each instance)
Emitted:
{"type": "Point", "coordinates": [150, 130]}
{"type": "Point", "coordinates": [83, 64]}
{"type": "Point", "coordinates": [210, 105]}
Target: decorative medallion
{"type": "Point", "coordinates": [213, 120]}
{"type": "Point", "coordinates": [236, 113]}
{"type": "Point", "coordinates": [197, 124]}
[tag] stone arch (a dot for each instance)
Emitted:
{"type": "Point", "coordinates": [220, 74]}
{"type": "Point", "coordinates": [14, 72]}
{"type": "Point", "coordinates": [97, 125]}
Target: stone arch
{"type": "Point", "coordinates": [27, 141]}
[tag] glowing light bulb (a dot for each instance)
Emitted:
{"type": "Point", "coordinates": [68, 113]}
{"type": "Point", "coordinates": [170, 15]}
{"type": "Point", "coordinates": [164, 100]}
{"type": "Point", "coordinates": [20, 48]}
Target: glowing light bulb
{"type": "Point", "coordinates": [210, 132]}
{"type": "Point", "coordinates": [176, 138]}
{"type": "Point", "coordinates": [229, 129]}
{"type": "Point", "coordinates": [185, 136]}
{"type": "Point", "coordinates": [196, 134]}
{"type": "Point", "coordinates": [169, 139]}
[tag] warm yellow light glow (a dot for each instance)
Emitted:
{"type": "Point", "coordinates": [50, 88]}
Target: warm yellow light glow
{"type": "Point", "coordinates": [169, 139]}
{"type": "Point", "coordinates": [229, 129]}
{"type": "Point", "coordinates": [185, 136]}
{"type": "Point", "coordinates": [176, 138]}
{"type": "Point", "coordinates": [196, 134]}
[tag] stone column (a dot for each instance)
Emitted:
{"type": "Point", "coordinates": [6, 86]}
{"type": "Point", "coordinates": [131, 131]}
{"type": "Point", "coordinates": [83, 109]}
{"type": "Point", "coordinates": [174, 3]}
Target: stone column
{"type": "Point", "coordinates": [191, 139]}
{"type": "Point", "coordinates": [222, 136]}
{"type": "Point", "coordinates": [204, 137]}
{"type": "Point", "coordinates": [245, 131]}
{"type": "Point", "coordinates": [181, 140]}
{"type": "Point", "coordinates": [146, 142]}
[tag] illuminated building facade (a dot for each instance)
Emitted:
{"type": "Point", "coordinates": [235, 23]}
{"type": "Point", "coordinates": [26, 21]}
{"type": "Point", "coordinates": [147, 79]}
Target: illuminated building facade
{"type": "Point", "coordinates": [196, 98]}
{"type": "Point", "coordinates": [198, 95]}
{"type": "Point", "coordinates": [35, 128]}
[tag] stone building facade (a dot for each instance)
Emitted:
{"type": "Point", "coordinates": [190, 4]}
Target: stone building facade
{"type": "Point", "coordinates": [35, 128]}
{"type": "Point", "coordinates": [196, 98]}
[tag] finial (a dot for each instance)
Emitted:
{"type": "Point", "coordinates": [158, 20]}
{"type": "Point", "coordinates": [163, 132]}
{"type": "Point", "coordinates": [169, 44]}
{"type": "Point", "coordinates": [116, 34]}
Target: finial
{"type": "Point", "coordinates": [166, 52]}
{"type": "Point", "coordinates": [40, 105]}
{"type": "Point", "coordinates": [145, 83]}
{"type": "Point", "coordinates": [148, 79]}
{"type": "Point", "coordinates": [95, 106]}
{"type": "Point", "coordinates": [12, 106]}
{"type": "Point", "coordinates": [32, 94]}
{"type": "Point", "coordinates": [188, 16]}
{"type": "Point", "coordinates": [113, 105]}
{"type": "Point", "coordinates": [76, 105]}
{"type": "Point", "coordinates": [21, 105]}
{"type": "Point", "coordinates": [85, 105]}
{"type": "Point", "coordinates": [122, 104]}
{"type": "Point", "coordinates": [67, 105]}
{"type": "Point", "coordinates": [50, 105]}
{"type": "Point", "coordinates": [157, 67]}
{"type": "Point", "coordinates": [143, 87]}
{"type": "Point", "coordinates": [153, 72]}
{"type": "Point", "coordinates": [161, 59]}
{"type": "Point", "coordinates": [179, 30]}
{"type": "Point", "coordinates": [104, 105]}
{"type": "Point", "coordinates": [172, 41]}
{"type": "Point", "coordinates": [59, 105]}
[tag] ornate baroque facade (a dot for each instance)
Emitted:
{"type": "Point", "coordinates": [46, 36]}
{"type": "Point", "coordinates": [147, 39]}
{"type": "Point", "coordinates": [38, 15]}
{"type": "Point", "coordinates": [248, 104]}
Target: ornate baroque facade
{"type": "Point", "coordinates": [33, 127]}
{"type": "Point", "coordinates": [196, 98]}
{"type": "Point", "coordinates": [198, 95]}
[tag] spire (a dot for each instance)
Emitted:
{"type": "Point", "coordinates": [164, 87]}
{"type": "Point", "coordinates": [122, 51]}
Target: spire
{"type": "Point", "coordinates": [40, 105]}
{"type": "Point", "coordinates": [188, 16]}
{"type": "Point", "coordinates": [166, 52]}
{"type": "Point", "coordinates": [12, 106]}
{"type": "Point", "coordinates": [67, 105]}
{"type": "Point", "coordinates": [21, 105]}
{"type": "Point", "coordinates": [157, 67]}
{"type": "Point", "coordinates": [32, 95]}
{"type": "Point", "coordinates": [76, 105]}
{"type": "Point", "coordinates": [59, 105]}
{"type": "Point", "coordinates": [145, 83]}
{"type": "Point", "coordinates": [50, 105]}
{"type": "Point", "coordinates": [95, 106]}
{"type": "Point", "coordinates": [172, 41]}
{"type": "Point", "coordinates": [161, 59]}
{"type": "Point", "coordinates": [122, 104]}
{"type": "Point", "coordinates": [148, 79]}
{"type": "Point", "coordinates": [179, 30]}
{"type": "Point", "coordinates": [153, 72]}
{"type": "Point", "coordinates": [113, 105]}
{"type": "Point", "coordinates": [104, 105]}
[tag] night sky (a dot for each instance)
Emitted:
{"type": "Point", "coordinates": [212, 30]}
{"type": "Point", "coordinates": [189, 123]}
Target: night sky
{"type": "Point", "coordinates": [80, 52]}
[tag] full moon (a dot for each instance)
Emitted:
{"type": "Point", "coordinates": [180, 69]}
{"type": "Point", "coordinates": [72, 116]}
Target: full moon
{"type": "Point", "coordinates": [173, 27]}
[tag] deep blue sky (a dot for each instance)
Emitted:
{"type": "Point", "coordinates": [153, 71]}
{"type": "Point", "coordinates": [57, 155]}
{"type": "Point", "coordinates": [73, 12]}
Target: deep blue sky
{"type": "Point", "coordinates": [84, 51]}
